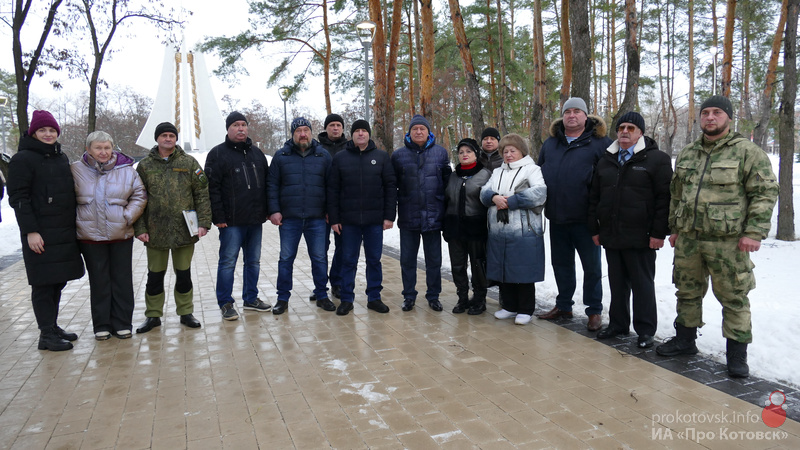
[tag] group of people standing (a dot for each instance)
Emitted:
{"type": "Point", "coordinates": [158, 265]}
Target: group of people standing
{"type": "Point", "coordinates": [622, 195]}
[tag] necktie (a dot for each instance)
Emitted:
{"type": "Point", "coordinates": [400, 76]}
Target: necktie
{"type": "Point", "coordinates": [623, 156]}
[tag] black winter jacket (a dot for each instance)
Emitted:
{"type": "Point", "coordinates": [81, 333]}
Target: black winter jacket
{"type": "Point", "coordinates": [297, 184]}
{"type": "Point", "coordinates": [568, 168]}
{"type": "Point", "coordinates": [629, 204]}
{"type": "Point", "coordinates": [237, 183]}
{"type": "Point", "coordinates": [361, 187]}
{"type": "Point", "coordinates": [333, 147]}
{"type": "Point", "coordinates": [42, 192]}
{"type": "Point", "coordinates": [465, 215]}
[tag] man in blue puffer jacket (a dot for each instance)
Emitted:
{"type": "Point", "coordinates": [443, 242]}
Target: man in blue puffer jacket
{"type": "Point", "coordinates": [296, 187]}
{"type": "Point", "coordinates": [422, 169]}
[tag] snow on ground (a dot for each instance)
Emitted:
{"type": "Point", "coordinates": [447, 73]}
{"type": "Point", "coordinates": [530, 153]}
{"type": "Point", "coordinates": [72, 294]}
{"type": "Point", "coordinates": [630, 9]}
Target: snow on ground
{"type": "Point", "coordinates": [774, 303]}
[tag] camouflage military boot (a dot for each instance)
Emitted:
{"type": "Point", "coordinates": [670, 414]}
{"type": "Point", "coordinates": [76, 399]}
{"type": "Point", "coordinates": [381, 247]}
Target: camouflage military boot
{"type": "Point", "coordinates": [681, 344]}
{"type": "Point", "coordinates": [737, 359]}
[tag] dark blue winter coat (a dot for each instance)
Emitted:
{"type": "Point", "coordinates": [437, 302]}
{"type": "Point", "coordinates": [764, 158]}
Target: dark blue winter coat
{"type": "Point", "coordinates": [568, 168]}
{"type": "Point", "coordinates": [422, 174]}
{"type": "Point", "coordinates": [297, 184]}
{"type": "Point", "coordinates": [361, 187]}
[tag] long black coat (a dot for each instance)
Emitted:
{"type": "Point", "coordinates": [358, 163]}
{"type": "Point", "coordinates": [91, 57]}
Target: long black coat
{"type": "Point", "coordinates": [629, 204]}
{"type": "Point", "coordinates": [42, 193]}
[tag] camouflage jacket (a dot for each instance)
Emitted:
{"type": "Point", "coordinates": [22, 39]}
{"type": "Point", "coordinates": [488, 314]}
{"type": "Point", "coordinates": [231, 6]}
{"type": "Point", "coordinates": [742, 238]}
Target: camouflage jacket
{"type": "Point", "coordinates": [723, 189]}
{"type": "Point", "coordinates": [173, 185]}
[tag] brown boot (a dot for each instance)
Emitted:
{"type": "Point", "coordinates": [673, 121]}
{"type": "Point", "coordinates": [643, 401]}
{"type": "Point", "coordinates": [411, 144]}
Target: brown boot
{"type": "Point", "coordinates": [555, 314]}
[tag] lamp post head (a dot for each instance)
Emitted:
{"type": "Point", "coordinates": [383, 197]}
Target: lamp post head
{"type": "Point", "coordinates": [284, 92]}
{"type": "Point", "coordinates": [366, 31]}
{"type": "Point", "coordinates": [3, 101]}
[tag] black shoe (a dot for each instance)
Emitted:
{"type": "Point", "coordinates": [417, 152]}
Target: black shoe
{"type": "Point", "coordinates": [50, 340]}
{"type": "Point", "coordinates": [408, 304]}
{"type": "Point", "coordinates": [313, 298]}
{"type": "Point", "coordinates": [190, 321]}
{"type": "Point", "coordinates": [344, 308]}
{"type": "Point", "coordinates": [326, 304]}
{"type": "Point", "coordinates": [435, 305]}
{"type": "Point", "coordinates": [148, 324]}
{"type": "Point", "coordinates": [610, 332]}
{"type": "Point", "coordinates": [460, 307]}
{"type": "Point", "coordinates": [336, 291]}
{"type": "Point", "coordinates": [681, 344]}
{"type": "Point", "coordinates": [64, 334]}
{"type": "Point", "coordinates": [280, 307]}
{"type": "Point", "coordinates": [737, 359]}
{"type": "Point", "coordinates": [477, 308]}
{"type": "Point", "coordinates": [378, 305]}
{"type": "Point", "coordinates": [644, 341]}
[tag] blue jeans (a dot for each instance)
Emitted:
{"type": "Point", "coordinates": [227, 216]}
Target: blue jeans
{"type": "Point", "coordinates": [314, 231]}
{"type": "Point", "coordinates": [409, 248]}
{"type": "Point", "coordinates": [352, 237]}
{"type": "Point", "coordinates": [335, 274]}
{"type": "Point", "coordinates": [231, 239]}
{"type": "Point", "coordinates": [565, 239]}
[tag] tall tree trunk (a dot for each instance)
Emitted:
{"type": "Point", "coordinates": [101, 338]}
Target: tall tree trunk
{"type": "Point", "coordinates": [391, 74]}
{"type": "Point", "coordinates": [715, 44]}
{"type": "Point", "coordinates": [692, 119]}
{"type": "Point", "coordinates": [582, 52]}
{"type": "Point", "coordinates": [539, 82]}
{"type": "Point", "coordinates": [765, 105]}
{"type": "Point", "coordinates": [787, 132]}
{"type": "Point", "coordinates": [566, 48]}
{"type": "Point", "coordinates": [490, 50]}
{"type": "Point", "coordinates": [727, 48]}
{"type": "Point", "coordinates": [473, 88]}
{"type": "Point", "coordinates": [412, 97]}
{"type": "Point", "coordinates": [418, 46]}
{"type": "Point", "coordinates": [501, 111]}
{"type": "Point", "coordinates": [631, 98]}
{"type": "Point", "coordinates": [379, 118]}
{"type": "Point", "coordinates": [428, 53]}
{"type": "Point", "coordinates": [612, 49]}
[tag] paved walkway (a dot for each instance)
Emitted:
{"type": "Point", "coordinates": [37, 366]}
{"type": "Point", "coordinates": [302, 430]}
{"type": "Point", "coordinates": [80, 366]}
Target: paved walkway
{"type": "Point", "coordinates": [311, 379]}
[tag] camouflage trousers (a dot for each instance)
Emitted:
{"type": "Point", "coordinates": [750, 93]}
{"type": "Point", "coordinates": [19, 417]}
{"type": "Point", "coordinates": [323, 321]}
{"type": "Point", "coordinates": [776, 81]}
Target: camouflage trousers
{"type": "Point", "coordinates": [731, 272]}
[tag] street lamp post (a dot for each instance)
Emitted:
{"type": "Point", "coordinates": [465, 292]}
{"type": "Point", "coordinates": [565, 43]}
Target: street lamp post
{"type": "Point", "coordinates": [284, 92]}
{"type": "Point", "coordinates": [366, 32]}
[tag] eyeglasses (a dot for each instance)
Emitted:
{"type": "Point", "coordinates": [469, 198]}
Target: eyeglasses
{"type": "Point", "coordinates": [629, 128]}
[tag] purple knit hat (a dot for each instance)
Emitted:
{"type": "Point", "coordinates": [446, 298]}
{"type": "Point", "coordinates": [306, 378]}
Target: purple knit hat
{"type": "Point", "coordinates": [41, 119]}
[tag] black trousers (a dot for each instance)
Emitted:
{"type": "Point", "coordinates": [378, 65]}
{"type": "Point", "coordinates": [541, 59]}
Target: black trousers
{"type": "Point", "coordinates": [110, 283]}
{"type": "Point", "coordinates": [519, 297]}
{"type": "Point", "coordinates": [45, 299]}
{"type": "Point", "coordinates": [632, 270]}
{"type": "Point", "coordinates": [460, 250]}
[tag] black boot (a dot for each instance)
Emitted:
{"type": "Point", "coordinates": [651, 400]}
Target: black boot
{"type": "Point", "coordinates": [462, 305]}
{"type": "Point", "coordinates": [477, 305]}
{"type": "Point", "coordinates": [681, 344]}
{"type": "Point", "coordinates": [50, 340]}
{"type": "Point", "coordinates": [737, 359]}
{"type": "Point", "coordinates": [67, 336]}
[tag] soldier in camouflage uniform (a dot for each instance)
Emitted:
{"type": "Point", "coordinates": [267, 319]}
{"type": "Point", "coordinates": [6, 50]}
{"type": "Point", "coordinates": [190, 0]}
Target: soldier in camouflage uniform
{"type": "Point", "coordinates": [723, 192]}
{"type": "Point", "coordinates": [175, 182]}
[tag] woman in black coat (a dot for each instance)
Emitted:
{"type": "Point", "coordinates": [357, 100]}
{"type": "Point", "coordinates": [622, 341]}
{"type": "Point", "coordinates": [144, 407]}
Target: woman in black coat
{"type": "Point", "coordinates": [42, 193]}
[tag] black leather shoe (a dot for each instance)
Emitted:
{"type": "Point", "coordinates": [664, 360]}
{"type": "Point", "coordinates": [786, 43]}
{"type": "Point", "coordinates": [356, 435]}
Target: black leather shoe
{"type": "Point", "coordinates": [280, 307]}
{"type": "Point", "coordinates": [408, 304]}
{"type": "Point", "coordinates": [435, 305]}
{"type": "Point", "coordinates": [190, 321]}
{"type": "Point", "coordinates": [67, 336]}
{"type": "Point", "coordinates": [148, 324]}
{"type": "Point", "coordinates": [378, 305]}
{"type": "Point", "coordinates": [313, 298]}
{"type": "Point", "coordinates": [645, 341]}
{"type": "Point", "coordinates": [610, 332]}
{"type": "Point", "coordinates": [336, 291]}
{"type": "Point", "coordinates": [344, 308]}
{"type": "Point", "coordinates": [326, 304]}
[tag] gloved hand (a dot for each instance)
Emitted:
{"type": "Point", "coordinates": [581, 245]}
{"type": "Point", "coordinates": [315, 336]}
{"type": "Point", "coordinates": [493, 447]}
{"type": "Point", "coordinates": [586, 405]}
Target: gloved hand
{"type": "Point", "coordinates": [502, 215]}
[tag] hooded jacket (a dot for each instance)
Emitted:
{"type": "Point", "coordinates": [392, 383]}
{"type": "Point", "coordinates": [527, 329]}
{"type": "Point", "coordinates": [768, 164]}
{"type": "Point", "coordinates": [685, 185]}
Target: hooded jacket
{"type": "Point", "coordinates": [173, 185]}
{"type": "Point", "coordinates": [333, 147]}
{"type": "Point", "coordinates": [237, 183]}
{"type": "Point", "coordinates": [422, 174]}
{"type": "Point", "coordinates": [629, 204]}
{"type": "Point", "coordinates": [568, 168]}
{"type": "Point", "coordinates": [297, 184]}
{"type": "Point", "coordinates": [111, 197]}
{"type": "Point", "coordinates": [42, 192]}
{"type": "Point", "coordinates": [361, 187]}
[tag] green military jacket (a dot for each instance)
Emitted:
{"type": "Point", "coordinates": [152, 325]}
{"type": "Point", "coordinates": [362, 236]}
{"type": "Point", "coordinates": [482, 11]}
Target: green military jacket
{"type": "Point", "coordinates": [723, 189]}
{"type": "Point", "coordinates": [173, 185]}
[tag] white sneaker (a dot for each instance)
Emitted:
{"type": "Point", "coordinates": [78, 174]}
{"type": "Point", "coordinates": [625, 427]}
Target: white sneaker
{"type": "Point", "coordinates": [522, 319]}
{"type": "Point", "coordinates": [124, 334]}
{"type": "Point", "coordinates": [102, 335]}
{"type": "Point", "coordinates": [503, 314]}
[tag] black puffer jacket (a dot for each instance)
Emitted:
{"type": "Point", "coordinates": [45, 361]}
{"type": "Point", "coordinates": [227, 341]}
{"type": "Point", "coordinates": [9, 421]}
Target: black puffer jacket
{"type": "Point", "coordinates": [42, 192]}
{"type": "Point", "coordinates": [297, 184]}
{"type": "Point", "coordinates": [465, 215]}
{"type": "Point", "coordinates": [333, 147]}
{"type": "Point", "coordinates": [361, 187]}
{"type": "Point", "coordinates": [629, 204]}
{"type": "Point", "coordinates": [237, 183]}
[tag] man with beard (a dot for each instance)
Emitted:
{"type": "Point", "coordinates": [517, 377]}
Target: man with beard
{"type": "Point", "coordinates": [296, 189]}
{"type": "Point", "coordinates": [722, 196]}
{"type": "Point", "coordinates": [333, 140]}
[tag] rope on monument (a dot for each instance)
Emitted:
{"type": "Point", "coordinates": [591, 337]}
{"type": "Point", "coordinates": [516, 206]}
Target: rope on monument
{"type": "Point", "coordinates": [178, 91]}
{"type": "Point", "coordinates": [195, 110]}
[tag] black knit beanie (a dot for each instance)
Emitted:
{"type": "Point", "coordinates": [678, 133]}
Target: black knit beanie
{"type": "Point", "coordinates": [632, 117]}
{"type": "Point", "coordinates": [234, 117]}
{"type": "Point", "coordinates": [165, 127]}
{"type": "Point", "coordinates": [333, 118]}
{"type": "Point", "coordinates": [360, 124]}
{"type": "Point", "coordinates": [490, 132]}
{"type": "Point", "coordinates": [718, 101]}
